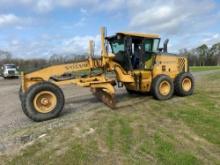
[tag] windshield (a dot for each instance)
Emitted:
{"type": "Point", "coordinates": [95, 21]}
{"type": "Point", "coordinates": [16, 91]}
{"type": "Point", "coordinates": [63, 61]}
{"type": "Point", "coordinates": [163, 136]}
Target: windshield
{"type": "Point", "coordinates": [117, 46]}
{"type": "Point", "coordinates": [10, 66]}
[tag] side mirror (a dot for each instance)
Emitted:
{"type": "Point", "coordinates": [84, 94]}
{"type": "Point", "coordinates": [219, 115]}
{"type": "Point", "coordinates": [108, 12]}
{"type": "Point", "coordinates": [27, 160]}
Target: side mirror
{"type": "Point", "coordinates": [160, 49]}
{"type": "Point", "coordinates": [165, 47]}
{"type": "Point", "coordinates": [2, 68]}
{"type": "Point", "coordinates": [18, 67]}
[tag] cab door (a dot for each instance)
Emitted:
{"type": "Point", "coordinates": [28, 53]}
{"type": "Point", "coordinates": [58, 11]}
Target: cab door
{"type": "Point", "coordinates": [142, 76]}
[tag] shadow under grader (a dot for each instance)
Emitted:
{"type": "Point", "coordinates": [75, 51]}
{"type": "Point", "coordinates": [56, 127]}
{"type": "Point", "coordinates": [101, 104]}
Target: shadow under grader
{"type": "Point", "coordinates": [76, 100]}
{"type": "Point", "coordinates": [90, 102]}
{"type": "Point", "coordinates": [127, 100]}
{"type": "Point", "coordinates": [77, 104]}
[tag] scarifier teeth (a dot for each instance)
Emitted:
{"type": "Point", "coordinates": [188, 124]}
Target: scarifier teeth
{"type": "Point", "coordinates": [106, 98]}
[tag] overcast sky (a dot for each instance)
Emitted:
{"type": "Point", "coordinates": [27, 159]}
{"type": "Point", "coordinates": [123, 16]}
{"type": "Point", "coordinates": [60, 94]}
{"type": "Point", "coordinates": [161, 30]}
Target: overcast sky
{"type": "Point", "coordinates": [39, 28]}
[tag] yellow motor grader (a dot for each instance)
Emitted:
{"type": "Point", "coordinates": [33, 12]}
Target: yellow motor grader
{"type": "Point", "coordinates": [136, 60]}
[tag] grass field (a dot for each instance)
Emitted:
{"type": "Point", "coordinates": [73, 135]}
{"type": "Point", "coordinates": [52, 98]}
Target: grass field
{"type": "Point", "coordinates": [143, 131]}
{"type": "Point", "coordinates": [203, 68]}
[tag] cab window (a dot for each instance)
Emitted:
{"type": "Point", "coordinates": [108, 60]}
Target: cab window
{"type": "Point", "coordinates": [156, 45]}
{"type": "Point", "coordinates": [117, 46]}
{"type": "Point", "coordinates": [151, 45]}
{"type": "Point", "coordinates": [148, 44]}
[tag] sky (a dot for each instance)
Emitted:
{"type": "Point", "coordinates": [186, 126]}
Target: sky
{"type": "Point", "coordinates": [40, 28]}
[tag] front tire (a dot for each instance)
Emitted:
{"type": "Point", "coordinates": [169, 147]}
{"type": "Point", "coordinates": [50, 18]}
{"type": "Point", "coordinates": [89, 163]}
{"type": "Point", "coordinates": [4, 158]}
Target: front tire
{"type": "Point", "coordinates": [43, 101]}
{"type": "Point", "coordinates": [184, 84]}
{"type": "Point", "coordinates": [162, 87]}
{"type": "Point", "coordinates": [21, 94]}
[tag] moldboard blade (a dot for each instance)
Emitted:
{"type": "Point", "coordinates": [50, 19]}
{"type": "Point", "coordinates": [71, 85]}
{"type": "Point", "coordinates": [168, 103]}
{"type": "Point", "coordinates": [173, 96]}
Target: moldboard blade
{"type": "Point", "coordinates": [105, 97]}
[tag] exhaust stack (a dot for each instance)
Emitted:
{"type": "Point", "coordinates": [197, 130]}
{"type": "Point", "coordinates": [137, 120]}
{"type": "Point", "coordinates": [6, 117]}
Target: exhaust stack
{"type": "Point", "coordinates": [165, 46]}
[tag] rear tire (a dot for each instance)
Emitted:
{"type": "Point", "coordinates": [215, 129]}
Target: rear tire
{"type": "Point", "coordinates": [162, 87]}
{"type": "Point", "coordinates": [43, 101]}
{"type": "Point", "coordinates": [184, 84]}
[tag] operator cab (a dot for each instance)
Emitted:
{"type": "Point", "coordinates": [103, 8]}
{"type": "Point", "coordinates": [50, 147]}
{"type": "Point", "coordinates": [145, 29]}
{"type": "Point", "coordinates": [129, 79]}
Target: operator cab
{"type": "Point", "coordinates": [134, 51]}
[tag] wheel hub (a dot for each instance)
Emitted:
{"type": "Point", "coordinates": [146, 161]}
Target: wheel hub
{"type": "Point", "coordinates": [186, 84]}
{"type": "Point", "coordinates": [45, 102]}
{"type": "Point", "coordinates": [165, 88]}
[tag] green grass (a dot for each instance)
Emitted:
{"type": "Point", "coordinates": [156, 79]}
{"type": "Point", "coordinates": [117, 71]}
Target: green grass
{"type": "Point", "coordinates": [205, 124]}
{"type": "Point", "coordinates": [165, 151]}
{"type": "Point", "coordinates": [203, 68]}
{"type": "Point", "coordinates": [183, 130]}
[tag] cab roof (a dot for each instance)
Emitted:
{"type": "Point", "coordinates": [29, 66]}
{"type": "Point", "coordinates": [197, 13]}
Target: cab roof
{"type": "Point", "coordinates": [139, 35]}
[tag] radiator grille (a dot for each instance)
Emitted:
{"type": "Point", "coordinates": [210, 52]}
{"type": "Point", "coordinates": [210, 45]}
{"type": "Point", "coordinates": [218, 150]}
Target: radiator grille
{"type": "Point", "coordinates": [11, 72]}
{"type": "Point", "coordinates": [181, 64]}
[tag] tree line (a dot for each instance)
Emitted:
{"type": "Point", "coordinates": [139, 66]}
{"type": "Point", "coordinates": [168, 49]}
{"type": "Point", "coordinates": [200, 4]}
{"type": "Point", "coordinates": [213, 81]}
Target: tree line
{"type": "Point", "coordinates": [203, 55]}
